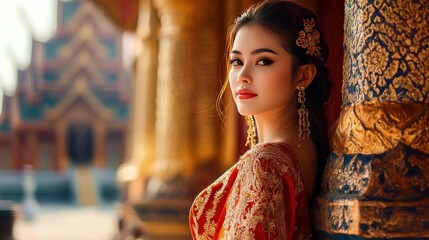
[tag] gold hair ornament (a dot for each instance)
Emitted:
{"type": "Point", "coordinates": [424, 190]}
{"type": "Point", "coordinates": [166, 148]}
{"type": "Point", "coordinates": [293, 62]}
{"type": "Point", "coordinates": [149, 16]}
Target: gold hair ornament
{"type": "Point", "coordinates": [309, 38]}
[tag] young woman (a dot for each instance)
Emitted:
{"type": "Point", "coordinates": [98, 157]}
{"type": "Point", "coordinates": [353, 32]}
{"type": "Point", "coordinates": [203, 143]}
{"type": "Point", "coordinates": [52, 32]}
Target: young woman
{"type": "Point", "coordinates": [279, 81]}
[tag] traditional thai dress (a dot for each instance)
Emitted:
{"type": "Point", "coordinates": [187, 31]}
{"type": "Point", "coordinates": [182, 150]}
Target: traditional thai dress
{"type": "Point", "coordinates": [261, 197]}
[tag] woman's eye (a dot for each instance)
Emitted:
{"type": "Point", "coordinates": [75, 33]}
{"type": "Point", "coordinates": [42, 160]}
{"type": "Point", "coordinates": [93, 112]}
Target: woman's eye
{"type": "Point", "coordinates": [264, 62]}
{"type": "Point", "coordinates": [235, 62]}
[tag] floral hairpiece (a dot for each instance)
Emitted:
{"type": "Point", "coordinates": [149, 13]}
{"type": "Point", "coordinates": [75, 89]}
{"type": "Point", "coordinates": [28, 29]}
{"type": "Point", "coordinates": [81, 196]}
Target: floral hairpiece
{"type": "Point", "coordinates": [309, 38]}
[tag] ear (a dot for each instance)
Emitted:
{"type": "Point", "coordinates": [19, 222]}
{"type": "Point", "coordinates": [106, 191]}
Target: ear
{"type": "Point", "coordinates": [305, 75]}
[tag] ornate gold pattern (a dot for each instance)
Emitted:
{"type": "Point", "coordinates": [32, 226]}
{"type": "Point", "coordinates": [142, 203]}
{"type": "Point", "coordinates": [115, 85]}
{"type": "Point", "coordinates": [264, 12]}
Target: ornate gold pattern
{"type": "Point", "coordinates": [251, 131]}
{"type": "Point", "coordinates": [253, 188]}
{"type": "Point", "coordinates": [257, 196]}
{"type": "Point", "coordinates": [385, 50]}
{"type": "Point", "coordinates": [374, 219]}
{"type": "Point", "coordinates": [304, 131]}
{"type": "Point", "coordinates": [379, 127]}
{"type": "Point", "coordinates": [346, 174]}
{"type": "Point", "coordinates": [398, 174]}
{"type": "Point", "coordinates": [202, 200]}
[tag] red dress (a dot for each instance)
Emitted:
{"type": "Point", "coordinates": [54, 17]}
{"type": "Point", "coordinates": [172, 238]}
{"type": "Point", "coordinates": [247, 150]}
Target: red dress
{"type": "Point", "coordinates": [261, 197]}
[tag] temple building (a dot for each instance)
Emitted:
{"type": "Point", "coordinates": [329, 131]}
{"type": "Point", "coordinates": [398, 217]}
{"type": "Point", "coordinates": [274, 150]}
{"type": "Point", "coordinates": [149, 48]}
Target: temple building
{"type": "Point", "coordinates": [68, 117]}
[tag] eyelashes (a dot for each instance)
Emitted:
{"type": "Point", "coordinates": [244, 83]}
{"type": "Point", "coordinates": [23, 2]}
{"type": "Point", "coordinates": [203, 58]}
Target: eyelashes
{"type": "Point", "coordinates": [235, 62]}
{"type": "Point", "coordinates": [264, 62]}
{"type": "Point", "coordinates": [260, 62]}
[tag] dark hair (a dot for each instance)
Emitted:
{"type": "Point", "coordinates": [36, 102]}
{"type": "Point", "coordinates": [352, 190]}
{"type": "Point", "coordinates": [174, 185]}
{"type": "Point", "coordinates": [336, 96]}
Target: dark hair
{"type": "Point", "coordinates": [286, 19]}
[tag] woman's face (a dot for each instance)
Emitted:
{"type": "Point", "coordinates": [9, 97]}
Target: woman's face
{"type": "Point", "coordinates": [260, 74]}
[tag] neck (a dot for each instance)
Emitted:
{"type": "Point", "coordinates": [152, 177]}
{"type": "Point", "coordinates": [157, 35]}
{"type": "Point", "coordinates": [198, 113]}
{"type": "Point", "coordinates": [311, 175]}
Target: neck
{"type": "Point", "coordinates": [278, 125]}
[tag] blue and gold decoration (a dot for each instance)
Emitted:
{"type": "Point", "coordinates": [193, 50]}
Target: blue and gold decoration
{"type": "Point", "coordinates": [376, 182]}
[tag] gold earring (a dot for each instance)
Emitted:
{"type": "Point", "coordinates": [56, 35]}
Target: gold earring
{"type": "Point", "coordinates": [251, 131]}
{"type": "Point", "coordinates": [303, 120]}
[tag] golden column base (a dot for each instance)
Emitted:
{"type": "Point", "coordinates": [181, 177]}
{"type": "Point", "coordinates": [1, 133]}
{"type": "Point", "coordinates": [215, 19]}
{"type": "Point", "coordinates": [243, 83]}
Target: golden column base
{"type": "Point", "coordinates": [375, 196]}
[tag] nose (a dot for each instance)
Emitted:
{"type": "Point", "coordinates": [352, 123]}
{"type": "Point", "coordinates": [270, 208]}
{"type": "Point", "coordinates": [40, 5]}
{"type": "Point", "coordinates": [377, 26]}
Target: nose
{"type": "Point", "coordinates": [244, 75]}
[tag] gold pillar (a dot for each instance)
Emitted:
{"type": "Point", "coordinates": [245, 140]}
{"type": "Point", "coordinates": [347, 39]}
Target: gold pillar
{"type": "Point", "coordinates": [206, 85]}
{"type": "Point", "coordinates": [143, 151]}
{"type": "Point", "coordinates": [376, 182]}
{"type": "Point", "coordinates": [178, 61]}
{"type": "Point", "coordinates": [142, 130]}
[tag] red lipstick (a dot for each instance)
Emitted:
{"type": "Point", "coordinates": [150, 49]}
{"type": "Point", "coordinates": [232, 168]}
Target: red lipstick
{"type": "Point", "coordinates": [245, 94]}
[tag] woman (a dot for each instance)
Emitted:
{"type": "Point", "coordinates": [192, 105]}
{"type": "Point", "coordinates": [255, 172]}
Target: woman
{"type": "Point", "coordinates": [279, 80]}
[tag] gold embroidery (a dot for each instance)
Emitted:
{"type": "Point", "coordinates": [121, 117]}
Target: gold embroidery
{"type": "Point", "coordinates": [257, 194]}
{"type": "Point", "coordinates": [200, 204]}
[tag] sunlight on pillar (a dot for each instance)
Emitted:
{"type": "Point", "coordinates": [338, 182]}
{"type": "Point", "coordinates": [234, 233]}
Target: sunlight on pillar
{"type": "Point", "coordinates": [130, 49]}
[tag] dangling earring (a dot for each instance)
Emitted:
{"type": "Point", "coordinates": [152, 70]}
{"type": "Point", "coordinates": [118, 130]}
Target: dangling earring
{"type": "Point", "coordinates": [251, 131]}
{"type": "Point", "coordinates": [303, 121]}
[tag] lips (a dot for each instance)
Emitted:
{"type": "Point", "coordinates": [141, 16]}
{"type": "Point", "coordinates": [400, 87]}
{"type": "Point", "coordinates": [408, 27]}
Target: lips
{"type": "Point", "coordinates": [245, 94]}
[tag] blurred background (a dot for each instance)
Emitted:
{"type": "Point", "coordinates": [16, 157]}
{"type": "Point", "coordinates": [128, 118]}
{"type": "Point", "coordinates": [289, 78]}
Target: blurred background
{"type": "Point", "coordinates": [108, 124]}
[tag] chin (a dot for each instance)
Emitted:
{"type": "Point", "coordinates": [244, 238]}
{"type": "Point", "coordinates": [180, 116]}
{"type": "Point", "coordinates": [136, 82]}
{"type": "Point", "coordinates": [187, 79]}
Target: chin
{"type": "Point", "coordinates": [245, 112]}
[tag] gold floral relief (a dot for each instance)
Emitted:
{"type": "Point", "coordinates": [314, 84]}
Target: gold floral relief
{"type": "Point", "coordinates": [346, 174]}
{"type": "Point", "coordinates": [373, 219]}
{"type": "Point", "coordinates": [379, 127]}
{"type": "Point", "coordinates": [386, 50]}
{"type": "Point", "coordinates": [399, 174]}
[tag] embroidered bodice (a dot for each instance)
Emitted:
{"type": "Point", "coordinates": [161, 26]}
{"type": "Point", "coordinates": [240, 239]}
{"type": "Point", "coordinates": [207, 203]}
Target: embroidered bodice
{"type": "Point", "coordinates": [260, 197]}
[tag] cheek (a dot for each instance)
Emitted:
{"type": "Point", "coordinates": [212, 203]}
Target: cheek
{"type": "Point", "coordinates": [232, 80]}
{"type": "Point", "coordinates": [279, 89]}
{"type": "Point", "coordinates": [231, 75]}
{"type": "Point", "coordinates": [277, 83]}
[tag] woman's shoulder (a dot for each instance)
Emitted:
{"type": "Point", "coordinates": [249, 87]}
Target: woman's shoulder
{"type": "Point", "coordinates": [275, 152]}
{"type": "Point", "coordinates": [275, 158]}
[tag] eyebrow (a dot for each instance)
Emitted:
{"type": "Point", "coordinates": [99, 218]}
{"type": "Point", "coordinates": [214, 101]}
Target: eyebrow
{"type": "Point", "coordinates": [256, 51]}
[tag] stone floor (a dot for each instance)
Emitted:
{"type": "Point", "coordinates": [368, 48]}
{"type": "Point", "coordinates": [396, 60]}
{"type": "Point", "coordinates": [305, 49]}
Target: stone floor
{"type": "Point", "coordinates": [67, 222]}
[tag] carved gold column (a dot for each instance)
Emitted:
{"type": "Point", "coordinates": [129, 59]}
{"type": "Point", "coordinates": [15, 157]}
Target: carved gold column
{"type": "Point", "coordinates": [376, 183]}
{"type": "Point", "coordinates": [176, 72]}
{"type": "Point", "coordinates": [180, 56]}
{"type": "Point", "coordinates": [206, 85]}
